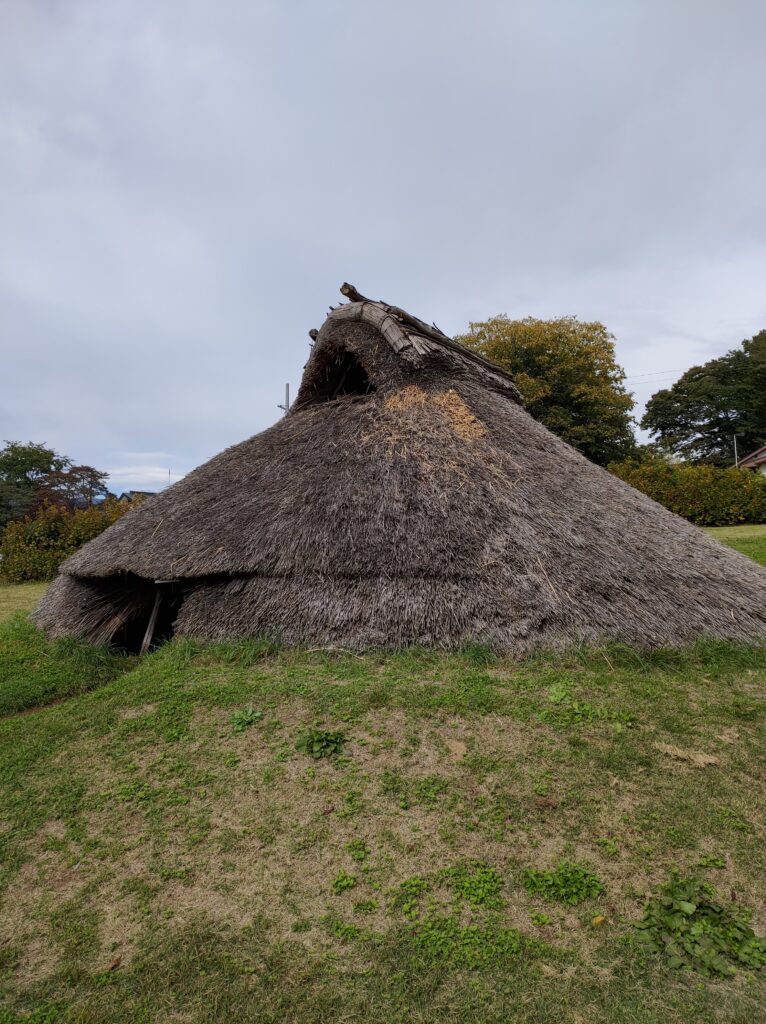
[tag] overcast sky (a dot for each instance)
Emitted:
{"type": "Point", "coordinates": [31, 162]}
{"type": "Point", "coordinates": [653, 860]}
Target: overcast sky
{"type": "Point", "coordinates": [185, 183]}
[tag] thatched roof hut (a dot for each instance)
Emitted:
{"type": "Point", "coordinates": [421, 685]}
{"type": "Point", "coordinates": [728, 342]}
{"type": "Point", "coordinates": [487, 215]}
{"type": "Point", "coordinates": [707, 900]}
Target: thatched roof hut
{"type": "Point", "coordinates": [406, 498]}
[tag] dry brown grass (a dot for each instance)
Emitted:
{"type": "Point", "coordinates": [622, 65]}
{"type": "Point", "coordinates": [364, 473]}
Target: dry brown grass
{"type": "Point", "coordinates": [695, 757]}
{"type": "Point", "coordinates": [413, 400]}
{"type": "Point", "coordinates": [435, 429]}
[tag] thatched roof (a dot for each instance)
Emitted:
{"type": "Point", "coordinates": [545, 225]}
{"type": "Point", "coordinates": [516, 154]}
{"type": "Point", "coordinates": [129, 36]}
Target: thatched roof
{"type": "Point", "coordinates": [407, 497]}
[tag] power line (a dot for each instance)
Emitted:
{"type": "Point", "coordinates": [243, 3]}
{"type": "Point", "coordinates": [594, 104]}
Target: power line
{"type": "Point", "coordinates": [653, 380]}
{"type": "Point", "coordinates": [650, 380]}
{"type": "Point", "coordinates": [655, 373]}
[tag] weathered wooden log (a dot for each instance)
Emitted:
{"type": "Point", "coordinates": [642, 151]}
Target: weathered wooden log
{"type": "Point", "coordinates": [149, 634]}
{"type": "Point", "coordinates": [432, 333]}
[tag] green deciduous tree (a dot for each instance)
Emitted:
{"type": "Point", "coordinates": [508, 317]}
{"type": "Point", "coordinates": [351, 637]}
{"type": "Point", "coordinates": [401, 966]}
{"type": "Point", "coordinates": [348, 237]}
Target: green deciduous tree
{"type": "Point", "coordinates": [22, 469]}
{"type": "Point", "coordinates": [568, 376]}
{"type": "Point", "coordinates": [699, 415]}
{"type": "Point", "coordinates": [34, 474]}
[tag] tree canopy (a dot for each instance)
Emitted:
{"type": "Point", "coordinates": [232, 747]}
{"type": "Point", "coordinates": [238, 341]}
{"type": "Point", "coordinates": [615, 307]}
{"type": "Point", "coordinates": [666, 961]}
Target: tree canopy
{"type": "Point", "coordinates": [73, 487]}
{"type": "Point", "coordinates": [22, 468]}
{"type": "Point", "coordinates": [697, 418]}
{"type": "Point", "coordinates": [568, 376]}
{"type": "Point", "coordinates": [32, 474]}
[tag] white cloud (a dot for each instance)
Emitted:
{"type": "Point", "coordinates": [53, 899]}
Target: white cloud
{"type": "Point", "coordinates": [141, 477]}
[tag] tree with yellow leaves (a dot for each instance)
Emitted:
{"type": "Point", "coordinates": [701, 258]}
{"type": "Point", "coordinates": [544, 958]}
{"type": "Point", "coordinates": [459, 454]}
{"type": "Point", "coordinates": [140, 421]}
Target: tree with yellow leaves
{"type": "Point", "coordinates": [568, 376]}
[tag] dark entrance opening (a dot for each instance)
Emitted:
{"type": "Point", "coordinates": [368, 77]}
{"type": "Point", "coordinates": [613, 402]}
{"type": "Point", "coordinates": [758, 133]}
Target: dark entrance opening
{"type": "Point", "coordinates": [148, 617]}
{"type": "Point", "coordinates": [340, 374]}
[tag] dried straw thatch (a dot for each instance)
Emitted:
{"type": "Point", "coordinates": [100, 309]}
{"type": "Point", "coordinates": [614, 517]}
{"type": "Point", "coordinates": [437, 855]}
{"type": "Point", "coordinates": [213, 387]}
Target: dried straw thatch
{"type": "Point", "coordinates": [407, 497]}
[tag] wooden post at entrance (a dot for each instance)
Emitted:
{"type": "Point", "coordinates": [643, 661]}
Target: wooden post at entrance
{"type": "Point", "coordinates": [152, 622]}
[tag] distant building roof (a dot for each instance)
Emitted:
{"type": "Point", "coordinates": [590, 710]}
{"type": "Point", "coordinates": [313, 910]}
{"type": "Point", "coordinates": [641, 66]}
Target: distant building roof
{"type": "Point", "coordinates": [132, 495]}
{"type": "Point", "coordinates": [756, 458]}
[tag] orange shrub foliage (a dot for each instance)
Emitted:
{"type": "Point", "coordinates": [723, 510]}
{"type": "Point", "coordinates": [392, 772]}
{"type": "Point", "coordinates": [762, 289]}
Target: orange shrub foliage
{"type": "Point", "coordinates": [34, 548]}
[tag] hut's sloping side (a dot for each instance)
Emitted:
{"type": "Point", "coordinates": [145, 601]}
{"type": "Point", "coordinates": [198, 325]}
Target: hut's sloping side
{"type": "Point", "coordinates": [410, 499]}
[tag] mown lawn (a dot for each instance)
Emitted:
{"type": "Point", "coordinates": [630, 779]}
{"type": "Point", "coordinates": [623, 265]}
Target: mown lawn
{"type": "Point", "coordinates": [242, 833]}
{"type": "Point", "coordinates": [19, 597]}
{"type": "Point", "coordinates": [750, 540]}
{"type": "Point", "coordinates": [477, 845]}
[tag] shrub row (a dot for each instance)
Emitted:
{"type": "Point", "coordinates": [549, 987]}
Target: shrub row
{"type": "Point", "coordinates": [705, 495]}
{"type": "Point", "coordinates": [34, 548]}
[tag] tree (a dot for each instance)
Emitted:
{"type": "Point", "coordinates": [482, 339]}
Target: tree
{"type": "Point", "coordinates": [699, 415]}
{"type": "Point", "coordinates": [33, 474]}
{"type": "Point", "coordinates": [22, 469]}
{"type": "Point", "coordinates": [568, 376]}
{"type": "Point", "coordinates": [73, 487]}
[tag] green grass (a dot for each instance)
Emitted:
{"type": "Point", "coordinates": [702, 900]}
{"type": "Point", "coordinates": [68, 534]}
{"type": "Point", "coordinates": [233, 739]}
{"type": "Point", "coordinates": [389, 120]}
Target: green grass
{"type": "Point", "coordinates": [158, 862]}
{"type": "Point", "coordinates": [34, 672]}
{"type": "Point", "coordinates": [749, 540]}
{"type": "Point", "coordinates": [19, 597]}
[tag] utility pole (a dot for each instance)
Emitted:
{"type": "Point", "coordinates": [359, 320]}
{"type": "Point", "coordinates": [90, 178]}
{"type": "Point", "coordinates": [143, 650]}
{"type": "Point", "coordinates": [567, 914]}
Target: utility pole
{"type": "Point", "coordinates": [736, 459]}
{"type": "Point", "coordinates": [286, 406]}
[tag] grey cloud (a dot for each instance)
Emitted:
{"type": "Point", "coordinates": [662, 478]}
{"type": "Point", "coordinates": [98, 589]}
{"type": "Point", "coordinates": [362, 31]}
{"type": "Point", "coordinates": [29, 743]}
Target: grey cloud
{"type": "Point", "coordinates": [184, 186]}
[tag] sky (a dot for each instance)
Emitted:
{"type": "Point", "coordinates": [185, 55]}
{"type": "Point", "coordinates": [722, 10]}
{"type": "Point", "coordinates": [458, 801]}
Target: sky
{"type": "Point", "coordinates": [184, 184]}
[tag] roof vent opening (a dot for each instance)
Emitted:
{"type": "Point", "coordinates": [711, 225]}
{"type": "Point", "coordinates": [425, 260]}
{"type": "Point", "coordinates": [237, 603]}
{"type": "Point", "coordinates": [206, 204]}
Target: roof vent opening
{"type": "Point", "coordinates": [340, 375]}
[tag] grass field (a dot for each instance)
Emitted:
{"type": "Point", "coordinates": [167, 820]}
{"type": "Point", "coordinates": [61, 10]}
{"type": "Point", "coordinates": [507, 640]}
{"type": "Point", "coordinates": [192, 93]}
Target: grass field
{"type": "Point", "coordinates": [170, 854]}
{"type": "Point", "coordinates": [242, 833]}
{"type": "Point", "coordinates": [20, 597]}
{"type": "Point", "coordinates": [750, 540]}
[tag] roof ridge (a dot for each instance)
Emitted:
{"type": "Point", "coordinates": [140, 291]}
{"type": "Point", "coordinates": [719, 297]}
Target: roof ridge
{"type": "Point", "coordinates": [751, 455]}
{"type": "Point", "coordinates": [433, 333]}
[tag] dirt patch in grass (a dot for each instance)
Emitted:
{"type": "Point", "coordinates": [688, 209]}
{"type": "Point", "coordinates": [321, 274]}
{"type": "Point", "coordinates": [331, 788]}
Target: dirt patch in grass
{"type": "Point", "coordinates": [693, 757]}
{"type": "Point", "coordinates": [281, 829]}
{"type": "Point", "coordinates": [457, 748]}
{"type": "Point", "coordinates": [42, 884]}
{"type": "Point", "coordinates": [131, 713]}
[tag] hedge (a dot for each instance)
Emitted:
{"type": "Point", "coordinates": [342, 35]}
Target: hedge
{"type": "Point", "coordinates": [34, 548]}
{"type": "Point", "coordinates": [705, 495]}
